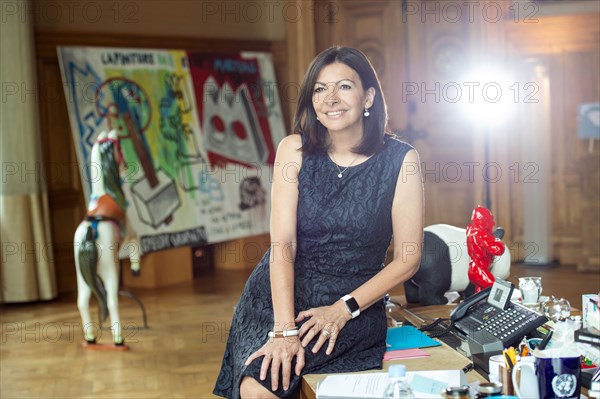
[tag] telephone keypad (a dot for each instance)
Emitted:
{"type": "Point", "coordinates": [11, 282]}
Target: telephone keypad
{"type": "Point", "coordinates": [508, 326]}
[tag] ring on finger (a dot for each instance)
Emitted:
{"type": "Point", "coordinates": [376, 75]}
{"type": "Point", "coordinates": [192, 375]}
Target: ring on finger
{"type": "Point", "coordinates": [268, 354]}
{"type": "Point", "coordinates": [326, 333]}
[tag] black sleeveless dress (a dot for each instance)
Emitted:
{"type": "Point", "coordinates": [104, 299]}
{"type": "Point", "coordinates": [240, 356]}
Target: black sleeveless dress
{"type": "Point", "coordinates": [344, 228]}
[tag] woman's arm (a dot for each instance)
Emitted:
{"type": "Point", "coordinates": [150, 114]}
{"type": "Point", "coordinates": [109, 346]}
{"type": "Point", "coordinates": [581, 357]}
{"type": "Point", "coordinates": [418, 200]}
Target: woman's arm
{"type": "Point", "coordinates": [407, 224]}
{"type": "Point", "coordinates": [284, 204]}
{"type": "Point", "coordinates": [278, 353]}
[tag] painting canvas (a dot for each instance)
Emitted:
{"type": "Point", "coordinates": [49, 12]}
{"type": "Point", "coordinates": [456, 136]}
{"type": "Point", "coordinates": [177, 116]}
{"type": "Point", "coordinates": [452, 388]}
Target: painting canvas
{"type": "Point", "coordinates": [197, 134]}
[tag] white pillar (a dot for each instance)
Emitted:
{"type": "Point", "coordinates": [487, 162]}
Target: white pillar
{"type": "Point", "coordinates": [535, 171]}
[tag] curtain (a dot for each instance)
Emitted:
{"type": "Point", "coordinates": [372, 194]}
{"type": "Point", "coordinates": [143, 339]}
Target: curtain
{"type": "Point", "coordinates": [26, 264]}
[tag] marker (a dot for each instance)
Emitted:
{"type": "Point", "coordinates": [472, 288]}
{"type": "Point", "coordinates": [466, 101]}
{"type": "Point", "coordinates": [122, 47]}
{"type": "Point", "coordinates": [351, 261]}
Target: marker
{"type": "Point", "coordinates": [509, 363]}
{"type": "Point", "coordinates": [512, 355]}
{"type": "Point", "coordinates": [545, 340]}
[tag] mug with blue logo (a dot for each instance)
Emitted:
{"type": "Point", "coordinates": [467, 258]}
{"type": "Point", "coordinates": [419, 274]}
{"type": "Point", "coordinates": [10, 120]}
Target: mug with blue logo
{"type": "Point", "coordinates": [556, 375]}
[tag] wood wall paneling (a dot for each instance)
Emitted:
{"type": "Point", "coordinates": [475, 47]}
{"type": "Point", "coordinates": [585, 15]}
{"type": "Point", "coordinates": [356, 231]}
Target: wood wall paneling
{"type": "Point", "coordinates": [300, 41]}
{"type": "Point", "coordinates": [568, 47]}
{"type": "Point", "coordinates": [253, 20]}
{"type": "Point", "coordinates": [437, 57]}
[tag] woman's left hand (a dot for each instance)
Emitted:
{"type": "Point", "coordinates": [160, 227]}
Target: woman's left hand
{"type": "Point", "coordinates": [326, 322]}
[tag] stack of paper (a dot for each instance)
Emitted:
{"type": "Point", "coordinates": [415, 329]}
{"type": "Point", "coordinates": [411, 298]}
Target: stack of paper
{"type": "Point", "coordinates": [425, 384]}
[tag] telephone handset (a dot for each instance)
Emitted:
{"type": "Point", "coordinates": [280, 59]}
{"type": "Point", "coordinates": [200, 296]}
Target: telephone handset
{"type": "Point", "coordinates": [461, 309]}
{"type": "Point", "coordinates": [490, 316]}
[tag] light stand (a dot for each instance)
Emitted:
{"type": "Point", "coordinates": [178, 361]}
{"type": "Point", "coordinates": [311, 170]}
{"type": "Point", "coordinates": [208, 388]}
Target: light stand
{"type": "Point", "coordinates": [486, 160]}
{"type": "Point", "coordinates": [486, 109]}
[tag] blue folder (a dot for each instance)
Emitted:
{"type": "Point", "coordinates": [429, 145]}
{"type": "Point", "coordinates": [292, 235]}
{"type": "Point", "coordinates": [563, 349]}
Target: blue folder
{"type": "Point", "coordinates": [407, 337]}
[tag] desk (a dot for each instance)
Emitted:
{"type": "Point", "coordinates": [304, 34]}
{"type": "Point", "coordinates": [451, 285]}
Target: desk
{"type": "Point", "coordinates": [440, 357]}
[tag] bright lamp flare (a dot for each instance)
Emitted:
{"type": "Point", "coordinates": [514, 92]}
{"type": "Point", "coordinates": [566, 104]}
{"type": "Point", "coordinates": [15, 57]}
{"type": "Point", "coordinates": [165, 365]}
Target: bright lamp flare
{"type": "Point", "coordinates": [490, 96]}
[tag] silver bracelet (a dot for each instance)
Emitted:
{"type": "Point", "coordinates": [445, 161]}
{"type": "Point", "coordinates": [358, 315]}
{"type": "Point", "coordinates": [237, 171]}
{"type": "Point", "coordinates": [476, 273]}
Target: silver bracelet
{"type": "Point", "coordinates": [283, 334]}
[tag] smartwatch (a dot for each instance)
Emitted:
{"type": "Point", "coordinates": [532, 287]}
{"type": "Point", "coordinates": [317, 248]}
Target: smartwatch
{"type": "Point", "coordinates": [351, 305]}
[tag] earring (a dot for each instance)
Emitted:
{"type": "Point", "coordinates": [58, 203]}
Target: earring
{"type": "Point", "coordinates": [367, 113]}
{"type": "Point", "coordinates": [317, 118]}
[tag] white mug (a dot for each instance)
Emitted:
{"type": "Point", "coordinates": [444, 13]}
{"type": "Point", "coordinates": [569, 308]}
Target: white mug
{"type": "Point", "coordinates": [553, 376]}
{"type": "Point", "coordinates": [494, 366]}
{"type": "Point", "coordinates": [528, 385]}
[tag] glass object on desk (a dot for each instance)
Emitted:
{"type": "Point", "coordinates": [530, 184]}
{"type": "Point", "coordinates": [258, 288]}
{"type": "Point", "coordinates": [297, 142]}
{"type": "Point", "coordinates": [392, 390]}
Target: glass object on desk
{"type": "Point", "coordinates": [392, 311]}
{"type": "Point", "coordinates": [531, 289]}
{"type": "Point", "coordinates": [556, 309]}
{"type": "Point", "coordinates": [398, 387]}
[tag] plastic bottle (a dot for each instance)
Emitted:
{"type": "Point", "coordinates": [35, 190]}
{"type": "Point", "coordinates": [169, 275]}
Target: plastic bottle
{"type": "Point", "coordinates": [398, 387]}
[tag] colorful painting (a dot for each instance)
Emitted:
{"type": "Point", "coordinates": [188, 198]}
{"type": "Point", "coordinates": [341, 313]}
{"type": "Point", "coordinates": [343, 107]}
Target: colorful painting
{"type": "Point", "coordinates": [197, 136]}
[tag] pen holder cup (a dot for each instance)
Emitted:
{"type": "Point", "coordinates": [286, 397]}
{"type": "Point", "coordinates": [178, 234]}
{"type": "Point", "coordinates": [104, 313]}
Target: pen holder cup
{"type": "Point", "coordinates": [494, 366]}
{"type": "Point", "coordinates": [506, 380]}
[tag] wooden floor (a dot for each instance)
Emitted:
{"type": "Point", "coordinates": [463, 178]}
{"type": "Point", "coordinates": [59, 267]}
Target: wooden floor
{"type": "Point", "coordinates": [179, 356]}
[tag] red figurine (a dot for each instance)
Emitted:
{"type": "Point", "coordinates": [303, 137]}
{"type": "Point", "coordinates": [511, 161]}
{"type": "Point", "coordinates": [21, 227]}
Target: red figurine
{"type": "Point", "coordinates": [482, 246]}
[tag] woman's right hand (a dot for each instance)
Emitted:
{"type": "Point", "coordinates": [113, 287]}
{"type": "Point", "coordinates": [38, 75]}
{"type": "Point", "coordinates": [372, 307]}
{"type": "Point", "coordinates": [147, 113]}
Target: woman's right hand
{"type": "Point", "coordinates": [278, 354]}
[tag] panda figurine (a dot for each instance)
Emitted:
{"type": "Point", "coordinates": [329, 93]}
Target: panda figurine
{"type": "Point", "coordinates": [445, 264]}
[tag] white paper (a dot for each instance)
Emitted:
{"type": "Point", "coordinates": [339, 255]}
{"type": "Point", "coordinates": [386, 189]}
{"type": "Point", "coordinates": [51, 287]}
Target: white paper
{"type": "Point", "coordinates": [372, 385]}
{"type": "Point", "coordinates": [367, 386]}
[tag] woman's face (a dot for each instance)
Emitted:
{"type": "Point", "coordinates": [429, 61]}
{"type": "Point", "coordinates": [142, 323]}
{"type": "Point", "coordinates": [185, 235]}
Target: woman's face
{"type": "Point", "coordinates": [339, 98]}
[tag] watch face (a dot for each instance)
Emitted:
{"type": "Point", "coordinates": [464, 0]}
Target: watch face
{"type": "Point", "coordinates": [352, 305]}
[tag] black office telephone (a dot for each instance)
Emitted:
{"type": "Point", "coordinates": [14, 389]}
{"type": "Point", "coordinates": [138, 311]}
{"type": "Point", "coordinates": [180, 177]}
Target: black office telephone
{"type": "Point", "coordinates": [491, 317]}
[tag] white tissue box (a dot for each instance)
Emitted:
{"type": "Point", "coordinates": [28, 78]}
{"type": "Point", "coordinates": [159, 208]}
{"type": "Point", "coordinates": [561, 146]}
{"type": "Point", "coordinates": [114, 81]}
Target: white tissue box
{"type": "Point", "coordinates": [591, 310]}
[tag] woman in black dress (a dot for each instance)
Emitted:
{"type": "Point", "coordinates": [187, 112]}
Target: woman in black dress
{"type": "Point", "coordinates": [342, 188]}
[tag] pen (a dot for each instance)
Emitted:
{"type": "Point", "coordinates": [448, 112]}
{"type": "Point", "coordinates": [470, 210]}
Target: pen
{"type": "Point", "coordinates": [545, 340]}
{"type": "Point", "coordinates": [509, 363]}
{"type": "Point", "coordinates": [522, 346]}
{"type": "Point", "coordinates": [512, 355]}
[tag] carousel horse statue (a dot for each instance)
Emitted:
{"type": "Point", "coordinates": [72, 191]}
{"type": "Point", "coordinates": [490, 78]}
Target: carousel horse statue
{"type": "Point", "coordinates": [97, 241]}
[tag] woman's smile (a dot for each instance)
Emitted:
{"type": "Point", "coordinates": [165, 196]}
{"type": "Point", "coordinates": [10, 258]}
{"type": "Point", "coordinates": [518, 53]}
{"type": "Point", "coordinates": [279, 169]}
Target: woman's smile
{"type": "Point", "coordinates": [335, 114]}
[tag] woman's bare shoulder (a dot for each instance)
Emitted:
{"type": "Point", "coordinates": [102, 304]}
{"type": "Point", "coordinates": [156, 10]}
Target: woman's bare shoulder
{"type": "Point", "coordinates": [293, 141]}
{"type": "Point", "coordinates": [290, 148]}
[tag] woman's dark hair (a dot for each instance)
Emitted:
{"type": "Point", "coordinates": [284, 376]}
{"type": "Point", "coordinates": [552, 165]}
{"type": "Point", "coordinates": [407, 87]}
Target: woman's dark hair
{"type": "Point", "coordinates": [305, 120]}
